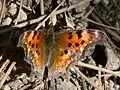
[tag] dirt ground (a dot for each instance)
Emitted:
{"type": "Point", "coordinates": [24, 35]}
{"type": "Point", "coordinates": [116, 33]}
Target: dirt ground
{"type": "Point", "coordinates": [100, 68]}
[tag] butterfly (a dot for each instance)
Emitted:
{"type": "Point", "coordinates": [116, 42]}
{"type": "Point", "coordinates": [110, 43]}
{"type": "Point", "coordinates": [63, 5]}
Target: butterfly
{"type": "Point", "coordinates": [56, 51]}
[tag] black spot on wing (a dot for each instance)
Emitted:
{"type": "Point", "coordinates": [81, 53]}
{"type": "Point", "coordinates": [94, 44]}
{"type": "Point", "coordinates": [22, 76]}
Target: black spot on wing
{"type": "Point", "coordinates": [61, 54]}
{"type": "Point", "coordinates": [29, 43]}
{"type": "Point", "coordinates": [79, 34]}
{"type": "Point", "coordinates": [36, 45]}
{"type": "Point", "coordinates": [69, 44]}
{"type": "Point", "coordinates": [33, 45]}
{"type": "Point", "coordinates": [65, 51]}
{"type": "Point", "coordinates": [70, 33]}
{"type": "Point", "coordinates": [35, 32]}
{"type": "Point", "coordinates": [70, 36]}
{"type": "Point", "coordinates": [38, 52]}
{"type": "Point", "coordinates": [38, 37]}
{"type": "Point", "coordinates": [77, 44]}
{"type": "Point", "coordinates": [82, 42]}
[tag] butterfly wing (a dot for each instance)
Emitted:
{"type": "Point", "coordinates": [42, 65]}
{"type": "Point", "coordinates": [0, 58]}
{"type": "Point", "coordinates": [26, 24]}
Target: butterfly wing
{"type": "Point", "coordinates": [33, 43]}
{"type": "Point", "coordinates": [68, 44]}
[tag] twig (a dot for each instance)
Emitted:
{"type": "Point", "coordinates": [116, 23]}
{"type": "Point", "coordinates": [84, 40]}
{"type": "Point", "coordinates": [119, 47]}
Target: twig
{"type": "Point", "coordinates": [2, 75]}
{"type": "Point", "coordinates": [22, 24]}
{"type": "Point", "coordinates": [105, 82]}
{"type": "Point", "coordinates": [7, 73]}
{"type": "Point", "coordinates": [76, 82]}
{"type": "Point", "coordinates": [99, 78]}
{"type": "Point", "coordinates": [89, 12]}
{"type": "Point", "coordinates": [4, 65]}
{"type": "Point", "coordinates": [41, 18]}
{"type": "Point", "coordinates": [106, 75]}
{"type": "Point", "coordinates": [3, 9]}
{"type": "Point", "coordinates": [86, 78]}
{"type": "Point", "coordinates": [23, 6]}
{"type": "Point", "coordinates": [19, 12]}
{"type": "Point", "coordinates": [103, 25]}
{"type": "Point", "coordinates": [39, 25]}
{"type": "Point", "coordinates": [81, 64]}
{"type": "Point", "coordinates": [108, 30]}
{"type": "Point", "coordinates": [41, 85]}
{"type": "Point", "coordinates": [60, 11]}
{"type": "Point", "coordinates": [0, 58]}
{"type": "Point", "coordinates": [71, 7]}
{"type": "Point", "coordinates": [42, 8]}
{"type": "Point", "coordinates": [116, 4]}
{"type": "Point", "coordinates": [25, 87]}
{"type": "Point", "coordinates": [101, 17]}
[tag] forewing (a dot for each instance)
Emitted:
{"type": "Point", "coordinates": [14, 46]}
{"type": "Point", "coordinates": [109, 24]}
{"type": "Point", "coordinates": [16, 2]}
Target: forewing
{"type": "Point", "coordinates": [33, 43]}
{"type": "Point", "coordinates": [68, 44]}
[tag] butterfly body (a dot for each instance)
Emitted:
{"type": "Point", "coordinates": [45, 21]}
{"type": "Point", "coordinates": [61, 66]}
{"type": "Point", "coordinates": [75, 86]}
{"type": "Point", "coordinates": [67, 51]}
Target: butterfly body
{"type": "Point", "coordinates": [56, 51]}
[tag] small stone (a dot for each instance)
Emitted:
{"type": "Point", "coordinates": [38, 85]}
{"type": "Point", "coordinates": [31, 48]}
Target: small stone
{"type": "Point", "coordinates": [7, 21]}
{"type": "Point", "coordinates": [80, 8]}
{"type": "Point", "coordinates": [111, 84]}
{"type": "Point", "coordinates": [12, 9]}
{"type": "Point", "coordinates": [16, 84]}
{"type": "Point", "coordinates": [22, 16]}
{"type": "Point", "coordinates": [66, 86]}
{"type": "Point", "coordinates": [6, 87]}
{"type": "Point", "coordinates": [117, 87]}
{"type": "Point", "coordinates": [105, 2]}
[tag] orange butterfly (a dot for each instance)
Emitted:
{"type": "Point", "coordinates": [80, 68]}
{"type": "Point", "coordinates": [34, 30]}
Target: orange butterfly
{"type": "Point", "coordinates": [56, 51]}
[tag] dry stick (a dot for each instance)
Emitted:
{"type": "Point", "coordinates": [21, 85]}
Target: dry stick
{"type": "Point", "coordinates": [106, 75]}
{"type": "Point", "coordinates": [41, 18]}
{"type": "Point", "coordinates": [4, 65]}
{"type": "Point", "coordinates": [118, 37]}
{"type": "Point", "coordinates": [103, 25]}
{"type": "Point", "coordinates": [42, 8]}
{"type": "Point", "coordinates": [19, 13]}
{"type": "Point", "coordinates": [7, 73]}
{"type": "Point", "coordinates": [71, 7]}
{"type": "Point", "coordinates": [99, 78]}
{"type": "Point", "coordinates": [116, 4]}
{"type": "Point", "coordinates": [83, 17]}
{"type": "Point", "coordinates": [81, 64]}
{"type": "Point", "coordinates": [40, 24]}
{"type": "Point", "coordinates": [25, 87]}
{"type": "Point", "coordinates": [86, 78]}
{"type": "Point", "coordinates": [41, 85]}
{"type": "Point", "coordinates": [2, 75]}
{"type": "Point", "coordinates": [2, 12]}
{"type": "Point", "coordinates": [89, 12]}
{"type": "Point", "coordinates": [111, 32]}
{"type": "Point", "coordinates": [23, 6]}
{"type": "Point", "coordinates": [101, 17]}
{"type": "Point", "coordinates": [60, 11]}
{"type": "Point", "coordinates": [76, 82]}
{"type": "Point", "coordinates": [23, 24]}
{"type": "Point", "coordinates": [0, 58]}
{"type": "Point", "coordinates": [105, 82]}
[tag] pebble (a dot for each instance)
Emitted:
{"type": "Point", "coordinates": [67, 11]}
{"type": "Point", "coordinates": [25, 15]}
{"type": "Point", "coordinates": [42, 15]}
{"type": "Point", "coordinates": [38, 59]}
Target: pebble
{"type": "Point", "coordinates": [7, 21]}
{"type": "Point", "coordinates": [12, 9]}
{"type": "Point", "coordinates": [22, 16]}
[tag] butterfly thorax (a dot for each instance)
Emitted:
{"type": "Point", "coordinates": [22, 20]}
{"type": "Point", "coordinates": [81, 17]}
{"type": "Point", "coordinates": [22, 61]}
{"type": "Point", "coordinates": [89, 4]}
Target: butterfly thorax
{"type": "Point", "coordinates": [50, 46]}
